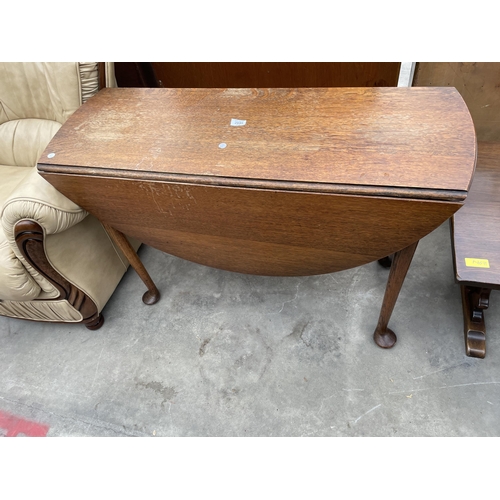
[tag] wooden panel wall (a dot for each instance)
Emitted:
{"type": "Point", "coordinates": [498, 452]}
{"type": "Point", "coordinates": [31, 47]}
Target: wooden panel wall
{"type": "Point", "coordinates": [276, 74]}
{"type": "Point", "coordinates": [479, 85]}
{"type": "Point", "coordinates": [135, 74]}
{"type": "Point", "coordinates": [257, 74]}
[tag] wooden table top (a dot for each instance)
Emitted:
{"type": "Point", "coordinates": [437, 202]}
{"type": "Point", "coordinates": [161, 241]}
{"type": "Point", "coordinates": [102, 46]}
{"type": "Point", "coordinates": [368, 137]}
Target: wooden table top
{"type": "Point", "coordinates": [403, 142]}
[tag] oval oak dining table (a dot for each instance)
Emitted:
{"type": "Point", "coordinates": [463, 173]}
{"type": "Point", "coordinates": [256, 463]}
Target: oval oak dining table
{"type": "Point", "coordinates": [277, 182]}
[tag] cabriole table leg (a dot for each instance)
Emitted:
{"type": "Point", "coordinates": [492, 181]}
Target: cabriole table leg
{"type": "Point", "coordinates": [383, 336]}
{"type": "Point", "coordinates": [152, 295]}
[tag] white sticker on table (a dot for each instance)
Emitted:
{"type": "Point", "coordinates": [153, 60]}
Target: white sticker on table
{"type": "Point", "coordinates": [237, 123]}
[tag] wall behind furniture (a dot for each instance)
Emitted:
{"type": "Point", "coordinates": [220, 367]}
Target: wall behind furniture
{"type": "Point", "coordinates": [258, 74]}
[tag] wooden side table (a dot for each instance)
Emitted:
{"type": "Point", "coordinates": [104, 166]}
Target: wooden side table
{"type": "Point", "coordinates": [475, 232]}
{"type": "Point", "coordinates": [282, 182]}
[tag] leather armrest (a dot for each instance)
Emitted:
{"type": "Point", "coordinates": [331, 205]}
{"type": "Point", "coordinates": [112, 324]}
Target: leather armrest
{"type": "Point", "coordinates": [35, 199]}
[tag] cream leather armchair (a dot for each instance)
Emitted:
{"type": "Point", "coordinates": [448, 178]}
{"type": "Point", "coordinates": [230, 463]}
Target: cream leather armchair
{"type": "Point", "coordinates": [56, 261]}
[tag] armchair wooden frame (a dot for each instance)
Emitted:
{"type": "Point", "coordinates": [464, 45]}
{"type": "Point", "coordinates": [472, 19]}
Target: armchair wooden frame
{"type": "Point", "coordinates": [29, 238]}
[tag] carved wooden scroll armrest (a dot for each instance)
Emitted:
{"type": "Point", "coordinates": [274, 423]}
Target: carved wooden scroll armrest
{"type": "Point", "coordinates": [29, 239]}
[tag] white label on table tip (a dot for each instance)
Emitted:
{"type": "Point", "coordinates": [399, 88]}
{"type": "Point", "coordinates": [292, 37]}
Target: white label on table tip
{"type": "Point", "coordinates": [237, 123]}
{"type": "Point", "coordinates": [222, 145]}
{"type": "Point", "coordinates": [51, 155]}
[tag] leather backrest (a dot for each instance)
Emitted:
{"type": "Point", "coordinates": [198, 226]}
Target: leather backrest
{"type": "Point", "coordinates": [35, 99]}
{"type": "Point", "coordinates": [51, 91]}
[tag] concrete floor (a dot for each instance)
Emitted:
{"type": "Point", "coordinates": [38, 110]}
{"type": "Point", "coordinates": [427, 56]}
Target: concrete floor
{"type": "Point", "coordinates": [225, 354]}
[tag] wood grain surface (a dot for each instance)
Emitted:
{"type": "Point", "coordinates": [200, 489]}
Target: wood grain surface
{"type": "Point", "coordinates": [275, 74]}
{"type": "Point", "coordinates": [476, 226]}
{"type": "Point", "coordinates": [315, 181]}
{"type": "Point", "coordinates": [400, 138]}
{"type": "Point", "coordinates": [256, 231]}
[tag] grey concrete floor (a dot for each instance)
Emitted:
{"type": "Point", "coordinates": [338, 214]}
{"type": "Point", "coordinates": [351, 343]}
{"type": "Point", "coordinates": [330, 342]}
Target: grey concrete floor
{"type": "Point", "coordinates": [225, 354]}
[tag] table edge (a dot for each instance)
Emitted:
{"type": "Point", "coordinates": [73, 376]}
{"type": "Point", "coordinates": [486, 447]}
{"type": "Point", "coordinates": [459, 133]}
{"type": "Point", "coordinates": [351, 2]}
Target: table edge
{"type": "Point", "coordinates": [275, 185]}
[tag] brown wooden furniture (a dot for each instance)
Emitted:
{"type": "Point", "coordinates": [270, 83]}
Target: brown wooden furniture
{"type": "Point", "coordinates": [475, 228]}
{"type": "Point", "coordinates": [257, 74]}
{"type": "Point", "coordinates": [476, 244]}
{"type": "Point", "coordinates": [275, 74]}
{"type": "Point", "coordinates": [135, 74]}
{"type": "Point", "coordinates": [271, 181]}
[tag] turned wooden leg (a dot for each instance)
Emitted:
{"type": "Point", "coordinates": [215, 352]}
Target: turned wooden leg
{"type": "Point", "coordinates": [383, 336]}
{"type": "Point", "coordinates": [152, 295]}
{"type": "Point", "coordinates": [474, 301]}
